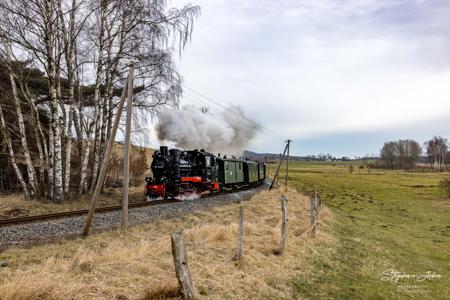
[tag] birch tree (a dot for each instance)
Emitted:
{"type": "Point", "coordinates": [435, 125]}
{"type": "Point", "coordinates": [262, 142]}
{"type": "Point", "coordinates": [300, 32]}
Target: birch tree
{"type": "Point", "coordinates": [32, 178]}
{"type": "Point", "coordinates": [7, 138]}
{"type": "Point", "coordinates": [436, 151]}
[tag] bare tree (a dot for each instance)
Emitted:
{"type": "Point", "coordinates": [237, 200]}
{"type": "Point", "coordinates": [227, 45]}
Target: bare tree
{"type": "Point", "coordinates": [390, 154]}
{"type": "Point", "coordinates": [32, 178]}
{"type": "Point", "coordinates": [12, 158]}
{"type": "Point", "coordinates": [402, 154]}
{"type": "Point", "coordinates": [409, 153]}
{"type": "Point", "coordinates": [436, 152]}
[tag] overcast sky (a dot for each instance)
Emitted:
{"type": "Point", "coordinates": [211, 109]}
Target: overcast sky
{"type": "Point", "coordinates": [336, 76]}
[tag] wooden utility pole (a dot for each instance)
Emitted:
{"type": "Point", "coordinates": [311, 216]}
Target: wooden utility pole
{"type": "Point", "coordinates": [287, 164]}
{"type": "Point", "coordinates": [105, 162]}
{"type": "Point", "coordinates": [278, 169]}
{"type": "Point", "coordinates": [182, 269]}
{"type": "Point", "coordinates": [286, 149]}
{"type": "Point", "coordinates": [126, 155]}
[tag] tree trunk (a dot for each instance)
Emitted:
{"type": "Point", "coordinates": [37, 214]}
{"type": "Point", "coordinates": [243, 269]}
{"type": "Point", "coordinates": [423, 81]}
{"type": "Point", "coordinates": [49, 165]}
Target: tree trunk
{"type": "Point", "coordinates": [103, 128]}
{"type": "Point", "coordinates": [32, 178]}
{"type": "Point", "coordinates": [58, 192]}
{"type": "Point", "coordinates": [42, 141]}
{"type": "Point", "coordinates": [68, 151]}
{"type": "Point", "coordinates": [97, 114]}
{"type": "Point", "coordinates": [109, 85]}
{"type": "Point", "coordinates": [82, 188]}
{"type": "Point", "coordinates": [51, 160]}
{"type": "Point", "coordinates": [96, 149]}
{"type": "Point", "coordinates": [37, 135]}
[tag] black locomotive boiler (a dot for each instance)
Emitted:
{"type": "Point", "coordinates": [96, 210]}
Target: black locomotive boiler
{"type": "Point", "coordinates": [177, 172]}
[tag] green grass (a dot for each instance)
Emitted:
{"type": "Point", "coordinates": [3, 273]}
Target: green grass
{"type": "Point", "coordinates": [383, 220]}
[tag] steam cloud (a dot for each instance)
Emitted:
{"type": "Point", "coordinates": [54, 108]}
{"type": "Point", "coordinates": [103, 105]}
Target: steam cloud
{"type": "Point", "coordinates": [189, 128]}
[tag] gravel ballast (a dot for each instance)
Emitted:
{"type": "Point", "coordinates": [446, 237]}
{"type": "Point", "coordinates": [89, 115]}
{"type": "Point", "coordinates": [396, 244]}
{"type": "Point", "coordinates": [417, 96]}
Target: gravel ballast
{"type": "Point", "coordinates": [27, 233]}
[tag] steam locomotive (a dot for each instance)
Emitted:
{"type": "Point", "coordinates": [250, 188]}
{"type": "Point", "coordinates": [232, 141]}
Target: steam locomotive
{"type": "Point", "coordinates": [177, 172]}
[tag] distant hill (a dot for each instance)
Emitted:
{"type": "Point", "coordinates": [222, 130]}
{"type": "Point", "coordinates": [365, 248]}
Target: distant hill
{"type": "Point", "coordinates": [273, 156]}
{"type": "Point", "coordinates": [268, 156]}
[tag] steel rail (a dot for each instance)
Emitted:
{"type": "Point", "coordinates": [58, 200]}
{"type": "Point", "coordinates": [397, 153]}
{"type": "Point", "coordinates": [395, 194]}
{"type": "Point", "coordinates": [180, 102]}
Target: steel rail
{"type": "Point", "coordinates": [57, 215]}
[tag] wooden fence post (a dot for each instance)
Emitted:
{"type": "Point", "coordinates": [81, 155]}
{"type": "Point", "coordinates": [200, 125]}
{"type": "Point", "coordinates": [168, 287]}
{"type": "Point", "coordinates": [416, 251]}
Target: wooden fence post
{"type": "Point", "coordinates": [182, 266]}
{"type": "Point", "coordinates": [240, 233]}
{"type": "Point", "coordinates": [284, 220]}
{"type": "Point", "coordinates": [319, 202]}
{"type": "Point", "coordinates": [314, 211]}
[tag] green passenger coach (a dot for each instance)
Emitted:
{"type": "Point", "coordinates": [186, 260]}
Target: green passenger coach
{"type": "Point", "coordinates": [250, 171]}
{"type": "Point", "coordinates": [261, 171]}
{"type": "Point", "coordinates": [230, 171]}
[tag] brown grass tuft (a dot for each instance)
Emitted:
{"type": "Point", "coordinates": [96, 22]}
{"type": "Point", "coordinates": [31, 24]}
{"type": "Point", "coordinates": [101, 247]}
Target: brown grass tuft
{"type": "Point", "coordinates": [163, 293]}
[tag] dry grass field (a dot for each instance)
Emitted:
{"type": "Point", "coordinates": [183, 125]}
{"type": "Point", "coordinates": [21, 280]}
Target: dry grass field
{"type": "Point", "coordinates": [138, 264]}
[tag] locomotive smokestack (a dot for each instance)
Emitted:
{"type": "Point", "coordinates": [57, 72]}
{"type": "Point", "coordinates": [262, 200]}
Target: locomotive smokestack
{"type": "Point", "coordinates": [164, 150]}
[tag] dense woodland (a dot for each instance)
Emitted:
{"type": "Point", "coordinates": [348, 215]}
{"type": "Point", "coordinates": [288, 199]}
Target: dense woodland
{"type": "Point", "coordinates": [63, 64]}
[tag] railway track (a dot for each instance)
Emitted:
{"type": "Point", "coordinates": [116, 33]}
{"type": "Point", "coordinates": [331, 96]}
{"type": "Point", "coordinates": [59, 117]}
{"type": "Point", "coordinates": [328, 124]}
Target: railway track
{"type": "Point", "coordinates": [59, 215]}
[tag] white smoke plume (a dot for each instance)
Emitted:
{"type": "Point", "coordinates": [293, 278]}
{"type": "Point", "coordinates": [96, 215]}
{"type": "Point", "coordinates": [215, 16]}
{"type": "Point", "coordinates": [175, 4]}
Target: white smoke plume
{"type": "Point", "coordinates": [189, 128]}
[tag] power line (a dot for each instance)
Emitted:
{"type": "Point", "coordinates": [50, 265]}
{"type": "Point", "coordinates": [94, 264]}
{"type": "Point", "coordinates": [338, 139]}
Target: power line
{"type": "Point", "coordinates": [213, 109]}
{"type": "Point", "coordinates": [215, 116]}
{"type": "Point", "coordinates": [218, 110]}
{"type": "Point", "coordinates": [224, 107]}
{"type": "Point", "coordinates": [217, 103]}
{"type": "Point", "coordinates": [200, 102]}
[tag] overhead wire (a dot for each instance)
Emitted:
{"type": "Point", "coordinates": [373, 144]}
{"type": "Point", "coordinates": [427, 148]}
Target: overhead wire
{"type": "Point", "coordinates": [212, 112]}
{"type": "Point", "coordinates": [217, 106]}
{"type": "Point", "coordinates": [209, 99]}
{"type": "Point", "coordinates": [219, 111]}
